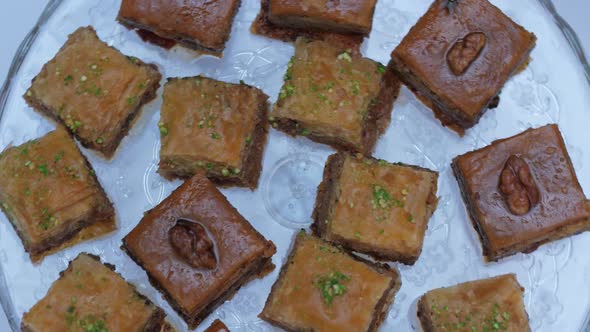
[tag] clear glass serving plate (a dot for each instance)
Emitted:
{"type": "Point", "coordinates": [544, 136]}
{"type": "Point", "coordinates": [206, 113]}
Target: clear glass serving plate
{"type": "Point", "coordinates": [554, 88]}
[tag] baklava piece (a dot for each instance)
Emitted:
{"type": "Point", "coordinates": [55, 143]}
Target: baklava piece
{"type": "Point", "coordinates": [335, 97]}
{"type": "Point", "coordinates": [375, 207]}
{"type": "Point", "coordinates": [262, 25]}
{"type": "Point", "coordinates": [196, 24]}
{"type": "Point", "coordinates": [217, 326]}
{"type": "Point", "coordinates": [494, 304]}
{"type": "Point", "coordinates": [50, 194]}
{"type": "Point", "coordinates": [91, 296]}
{"type": "Point", "coordinates": [217, 127]}
{"type": "Point", "coordinates": [458, 57]}
{"type": "Point", "coordinates": [345, 16]}
{"type": "Point", "coordinates": [93, 90]}
{"type": "Point", "coordinates": [522, 192]}
{"type": "Point", "coordinates": [322, 288]}
{"type": "Point", "coordinates": [197, 249]}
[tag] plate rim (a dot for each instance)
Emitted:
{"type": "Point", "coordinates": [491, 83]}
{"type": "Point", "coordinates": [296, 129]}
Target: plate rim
{"type": "Point", "coordinates": [23, 50]}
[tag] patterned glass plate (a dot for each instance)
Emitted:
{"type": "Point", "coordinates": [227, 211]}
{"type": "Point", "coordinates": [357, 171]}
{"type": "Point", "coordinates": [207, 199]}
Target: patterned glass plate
{"type": "Point", "coordinates": [553, 89]}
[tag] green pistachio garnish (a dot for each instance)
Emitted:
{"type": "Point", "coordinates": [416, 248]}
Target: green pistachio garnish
{"type": "Point", "coordinates": [68, 79]}
{"type": "Point", "coordinates": [383, 199]}
{"type": "Point", "coordinates": [163, 129]}
{"type": "Point", "coordinates": [289, 73]}
{"type": "Point", "coordinates": [455, 319]}
{"type": "Point", "coordinates": [131, 100]}
{"type": "Point", "coordinates": [59, 156]}
{"type": "Point", "coordinates": [344, 56]}
{"type": "Point", "coordinates": [43, 169]}
{"type": "Point", "coordinates": [332, 285]}
{"type": "Point", "coordinates": [355, 87]}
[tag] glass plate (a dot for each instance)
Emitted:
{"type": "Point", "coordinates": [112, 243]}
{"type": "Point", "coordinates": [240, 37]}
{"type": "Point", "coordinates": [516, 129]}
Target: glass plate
{"type": "Point", "coordinates": [553, 89]}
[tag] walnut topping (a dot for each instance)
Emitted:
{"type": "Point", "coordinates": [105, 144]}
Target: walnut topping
{"type": "Point", "coordinates": [192, 243]}
{"type": "Point", "coordinates": [464, 52]}
{"type": "Point", "coordinates": [518, 186]}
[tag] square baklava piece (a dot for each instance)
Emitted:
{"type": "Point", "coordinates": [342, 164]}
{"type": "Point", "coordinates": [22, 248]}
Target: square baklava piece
{"type": "Point", "coordinates": [458, 57]}
{"type": "Point", "coordinates": [93, 90]}
{"type": "Point", "coordinates": [522, 192]}
{"type": "Point", "coordinates": [197, 249]}
{"type": "Point", "coordinates": [91, 296]}
{"type": "Point", "coordinates": [322, 288]}
{"type": "Point", "coordinates": [375, 207]}
{"type": "Point", "coordinates": [217, 127]}
{"type": "Point", "coordinates": [287, 21]}
{"type": "Point", "coordinates": [334, 97]}
{"type": "Point", "coordinates": [494, 304]}
{"type": "Point", "coordinates": [50, 194]}
{"type": "Point", "coordinates": [345, 16]}
{"type": "Point", "coordinates": [196, 24]}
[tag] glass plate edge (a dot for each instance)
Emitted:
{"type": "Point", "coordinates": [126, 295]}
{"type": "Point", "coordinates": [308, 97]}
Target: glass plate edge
{"type": "Point", "coordinates": [19, 57]}
{"type": "Point", "coordinates": [23, 49]}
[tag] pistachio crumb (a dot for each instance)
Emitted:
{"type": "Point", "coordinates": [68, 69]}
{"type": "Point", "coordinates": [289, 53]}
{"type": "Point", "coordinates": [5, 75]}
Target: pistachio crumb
{"type": "Point", "coordinates": [344, 56]}
{"type": "Point", "coordinates": [163, 129]}
{"type": "Point", "coordinates": [332, 285]}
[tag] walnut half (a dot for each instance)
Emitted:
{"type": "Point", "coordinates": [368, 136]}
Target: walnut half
{"type": "Point", "coordinates": [518, 186]}
{"type": "Point", "coordinates": [192, 243]}
{"type": "Point", "coordinates": [465, 51]}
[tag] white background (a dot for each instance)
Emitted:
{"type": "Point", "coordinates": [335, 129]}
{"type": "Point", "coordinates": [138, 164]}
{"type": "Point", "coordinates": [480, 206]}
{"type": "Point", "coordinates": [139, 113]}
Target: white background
{"type": "Point", "coordinates": [18, 17]}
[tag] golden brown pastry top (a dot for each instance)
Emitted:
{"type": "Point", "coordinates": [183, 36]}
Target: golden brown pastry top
{"type": "Point", "coordinates": [323, 289]}
{"type": "Point", "coordinates": [90, 295]}
{"type": "Point", "coordinates": [562, 200]}
{"type": "Point", "coordinates": [204, 21]}
{"type": "Point", "coordinates": [92, 88]}
{"type": "Point", "coordinates": [208, 120]}
{"type": "Point", "coordinates": [426, 49]}
{"type": "Point", "coordinates": [340, 16]}
{"type": "Point", "coordinates": [383, 205]}
{"type": "Point", "coordinates": [329, 91]}
{"type": "Point", "coordinates": [236, 244]}
{"type": "Point", "coordinates": [46, 186]}
{"type": "Point", "coordinates": [494, 304]}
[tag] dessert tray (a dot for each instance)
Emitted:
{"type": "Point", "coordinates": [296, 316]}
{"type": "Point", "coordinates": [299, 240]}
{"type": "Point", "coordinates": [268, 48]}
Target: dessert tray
{"type": "Point", "coordinates": [554, 88]}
